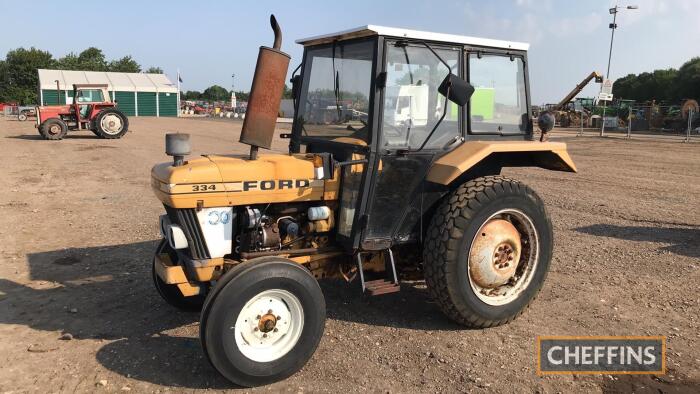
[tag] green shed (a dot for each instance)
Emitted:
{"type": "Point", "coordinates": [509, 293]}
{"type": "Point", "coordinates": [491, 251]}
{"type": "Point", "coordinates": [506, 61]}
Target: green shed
{"type": "Point", "coordinates": [136, 94]}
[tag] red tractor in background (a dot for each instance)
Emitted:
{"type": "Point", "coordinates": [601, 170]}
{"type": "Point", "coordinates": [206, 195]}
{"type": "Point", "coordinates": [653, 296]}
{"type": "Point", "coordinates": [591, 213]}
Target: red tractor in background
{"type": "Point", "coordinates": [92, 109]}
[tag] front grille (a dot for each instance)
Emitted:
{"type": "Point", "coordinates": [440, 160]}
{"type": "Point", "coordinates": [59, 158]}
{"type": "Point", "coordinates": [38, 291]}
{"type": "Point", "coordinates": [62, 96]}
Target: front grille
{"type": "Point", "coordinates": [186, 218]}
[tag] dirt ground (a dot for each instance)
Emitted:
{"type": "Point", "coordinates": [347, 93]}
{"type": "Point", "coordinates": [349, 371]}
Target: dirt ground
{"type": "Point", "coordinates": [78, 225]}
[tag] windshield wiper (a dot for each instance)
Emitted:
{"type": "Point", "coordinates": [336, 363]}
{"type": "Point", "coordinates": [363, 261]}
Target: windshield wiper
{"type": "Point", "coordinates": [336, 85]}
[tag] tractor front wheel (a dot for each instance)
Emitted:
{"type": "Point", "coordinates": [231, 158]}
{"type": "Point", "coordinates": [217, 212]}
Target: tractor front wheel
{"type": "Point", "coordinates": [487, 251]}
{"type": "Point", "coordinates": [22, 116]}
{"type": "Point", "coordinates": [111, 123]}
{"type": "Point", "coordinates": [53, 129]}
{"type": "Point", "coordinates": [263, 321]}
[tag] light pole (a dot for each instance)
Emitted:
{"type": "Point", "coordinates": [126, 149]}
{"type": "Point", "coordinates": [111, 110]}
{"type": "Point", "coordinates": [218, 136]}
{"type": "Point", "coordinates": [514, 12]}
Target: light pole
{"type": "Point", "coordinates": [612, 27]}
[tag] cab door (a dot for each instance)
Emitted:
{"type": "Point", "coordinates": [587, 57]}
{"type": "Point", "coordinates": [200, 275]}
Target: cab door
{"type": "Point", "coordinates": [411, 108]}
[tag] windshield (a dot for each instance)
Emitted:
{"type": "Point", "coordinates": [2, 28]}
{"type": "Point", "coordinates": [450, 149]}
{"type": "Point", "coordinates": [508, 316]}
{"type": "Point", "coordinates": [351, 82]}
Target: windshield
{"type": "Point", "coordinates": [412, 104]}
{"type": "Point", "coordinates": [334, 99]}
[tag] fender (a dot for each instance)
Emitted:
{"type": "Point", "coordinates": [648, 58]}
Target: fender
{"type": "Point", "coordinates": [548, 155]}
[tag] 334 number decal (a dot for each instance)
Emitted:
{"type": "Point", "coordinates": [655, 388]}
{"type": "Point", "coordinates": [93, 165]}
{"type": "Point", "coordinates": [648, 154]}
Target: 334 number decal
{"type": "Point", "coordinates": [203, 188]}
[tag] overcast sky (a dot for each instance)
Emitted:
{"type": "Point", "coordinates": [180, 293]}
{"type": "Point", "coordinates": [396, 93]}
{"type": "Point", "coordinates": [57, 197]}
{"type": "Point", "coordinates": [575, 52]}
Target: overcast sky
{"type": "Point", "coordinates": [210, 40]}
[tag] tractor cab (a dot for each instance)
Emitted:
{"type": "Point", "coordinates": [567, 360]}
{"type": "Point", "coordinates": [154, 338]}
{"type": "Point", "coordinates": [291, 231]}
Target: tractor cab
{"type": "Point", "coordinates": [397, 101]}
{"type": "Point", "coordinates": [88, 98]}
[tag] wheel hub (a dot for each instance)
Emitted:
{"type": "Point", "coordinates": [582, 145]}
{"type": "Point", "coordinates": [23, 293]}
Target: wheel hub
{"type": "Point", "coordinates": [267, 322]}
{"type": "Point", "coordinates": [269, 325]}
{"type": "Point", "coordinates": [55, 129]}
{"type": "Point", "coordinates": [495, 254]}
{"type": "Point", "coordinates": [112, 124]}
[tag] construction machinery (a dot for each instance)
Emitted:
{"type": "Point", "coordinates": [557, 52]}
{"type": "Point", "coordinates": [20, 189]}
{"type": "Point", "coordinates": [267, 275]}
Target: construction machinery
{"type": "Point", "coordinates": [369, 192]}
{"type": "Point", "coordinates": [92, 109]}
{"type": "Point", "coordinates": [564, 114]}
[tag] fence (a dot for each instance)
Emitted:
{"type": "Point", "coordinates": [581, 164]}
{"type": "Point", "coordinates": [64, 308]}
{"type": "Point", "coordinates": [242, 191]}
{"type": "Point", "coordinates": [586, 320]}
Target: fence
{"type": "Point", "coordinates": [637, 120]}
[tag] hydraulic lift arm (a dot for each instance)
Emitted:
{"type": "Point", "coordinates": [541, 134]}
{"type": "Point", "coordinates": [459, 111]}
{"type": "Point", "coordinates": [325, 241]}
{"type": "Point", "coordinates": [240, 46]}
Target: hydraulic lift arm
{"type": "Point", "coordinates": [598, 77]}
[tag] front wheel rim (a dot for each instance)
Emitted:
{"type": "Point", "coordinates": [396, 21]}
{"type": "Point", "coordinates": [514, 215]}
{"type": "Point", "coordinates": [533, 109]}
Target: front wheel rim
{"type": "Point", "coordinates": [527, 257]}
{"type": "Point", "coordinates": [111, 124]}
{"type": "Point", "coordinates": [269, 325]}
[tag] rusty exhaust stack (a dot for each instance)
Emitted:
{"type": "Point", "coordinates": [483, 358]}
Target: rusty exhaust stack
{"type": "Point", "coordinates": [265, 95]}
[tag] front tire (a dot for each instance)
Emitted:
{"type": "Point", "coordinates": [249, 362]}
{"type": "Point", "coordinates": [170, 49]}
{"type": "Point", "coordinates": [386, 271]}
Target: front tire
{"type": "Point", "coordinates": [53, 129]}
{"type": "Point", "coordinates": [263, 321]}
{"type": "Point", "coordinates": [487, 251]}
{"type": "Point", "coordinates": [111, 123]}
{"type": "Point", "coordinates": [22, 117]}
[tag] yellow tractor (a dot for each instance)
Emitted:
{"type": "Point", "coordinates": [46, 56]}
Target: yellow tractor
{"type": "Point", "coordinates": [393, 169]}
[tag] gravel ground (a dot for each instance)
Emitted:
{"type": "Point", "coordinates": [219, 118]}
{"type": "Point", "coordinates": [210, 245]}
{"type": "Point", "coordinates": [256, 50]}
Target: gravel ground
{"type": "Point", "coordinates": [78, 311]}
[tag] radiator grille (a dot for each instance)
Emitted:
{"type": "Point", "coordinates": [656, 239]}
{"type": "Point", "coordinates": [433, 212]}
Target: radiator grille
{"type": "Point", "coordinates": [187, 219]}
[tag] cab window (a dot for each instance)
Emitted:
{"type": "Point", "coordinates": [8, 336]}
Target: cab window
{"type": "Point", "coordinates": [499, 102]}
{"type": "Point", "coordinates": [90, 96]}
{"type": "Point", "coordinates": [335, 94]}
{"type": "Point", "coordinates": [412, 104]}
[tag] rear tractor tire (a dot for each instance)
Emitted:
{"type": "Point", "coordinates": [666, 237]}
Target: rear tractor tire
{"type": "Point", "coordinates": [111, 123]}
{"type": "Point", "coordinates": [487, 251]}
{"type": "Point", "coordinates": [171, 293]}
{"type": "Point", "coordinates": [263, 321]}
{"type": "Point", "coordinates": [53, 129]}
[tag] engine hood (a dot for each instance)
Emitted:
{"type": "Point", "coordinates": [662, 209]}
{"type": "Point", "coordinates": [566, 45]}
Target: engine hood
{"type": "Point", "coordinates": [223, 180]}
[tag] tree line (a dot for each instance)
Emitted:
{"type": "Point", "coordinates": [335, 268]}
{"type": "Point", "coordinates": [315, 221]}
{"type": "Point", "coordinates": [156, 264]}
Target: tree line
{"type": "Point", "coordinates": [19, 79]}
{"type": "Point", "coordinates": [668, 85]}
{"type": "Point", "coordinates": [218, 93]}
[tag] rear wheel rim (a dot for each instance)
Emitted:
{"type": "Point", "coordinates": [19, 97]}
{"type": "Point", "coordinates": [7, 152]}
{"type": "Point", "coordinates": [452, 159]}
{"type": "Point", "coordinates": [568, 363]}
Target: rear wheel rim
{"type": "Point", "coordinates": [527, 258]}
{"type": "Point", "coordinates": [269, 325]}
{"type": "Point", "coordinates": [111, 124]}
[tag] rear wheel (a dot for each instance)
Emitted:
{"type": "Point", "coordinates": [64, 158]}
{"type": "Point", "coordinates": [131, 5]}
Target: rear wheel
{"type": "Point", "coordinates": [170, 293]}
{"type": "Point", "coordinates": [111, 123]}
{"type": "Point", "coordinates": [53, 129]}
{"type": "Point", "coordinates": [487, 251]}
{"type": "Point", "coordinates": [263, 321]}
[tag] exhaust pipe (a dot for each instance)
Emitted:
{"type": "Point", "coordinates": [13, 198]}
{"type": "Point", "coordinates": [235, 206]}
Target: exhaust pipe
{"type": "Point", "coordinates": [265, 94]}
{"type": "Point", "coordinates": [278, 33]}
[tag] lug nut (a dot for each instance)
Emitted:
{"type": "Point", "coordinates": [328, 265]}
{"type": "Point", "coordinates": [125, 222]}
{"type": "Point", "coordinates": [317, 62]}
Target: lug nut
{"type": "Point", "coordinates": [257, 317]}
{"type": "Point", "coordinates": [279, 317]}
{"type": "Point", "coordinates": [269, 311]}
{"type": "Point", "coordinates": [275, 330]}
{"type": "Point", "coordinates": [255, 329]}
{"type": "Point", "coordinates": [264, 335]}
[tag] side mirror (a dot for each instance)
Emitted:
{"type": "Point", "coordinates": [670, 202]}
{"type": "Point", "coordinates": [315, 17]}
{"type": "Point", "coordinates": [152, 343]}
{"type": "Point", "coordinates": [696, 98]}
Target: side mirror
{"type": "Point", "coordinates": [545, 121]}
{"type": "Point", "coordinates": [456, 89]}
{"type": "Point", "coordinates": [296, 85]}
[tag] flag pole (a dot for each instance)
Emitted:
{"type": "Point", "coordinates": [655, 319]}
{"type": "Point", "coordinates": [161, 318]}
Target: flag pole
{"type": "Point", "coordinates": [178, 92]}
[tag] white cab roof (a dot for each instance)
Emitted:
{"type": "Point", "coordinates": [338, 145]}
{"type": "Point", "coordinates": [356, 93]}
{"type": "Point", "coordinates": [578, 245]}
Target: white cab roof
{"type": "Point", "coordinates": [129, 82]}
{"type": "Point", "coordinates": [373, 30]}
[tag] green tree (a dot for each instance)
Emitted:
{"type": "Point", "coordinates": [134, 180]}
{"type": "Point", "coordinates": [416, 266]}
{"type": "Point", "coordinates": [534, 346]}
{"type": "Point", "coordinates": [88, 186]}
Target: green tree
{"type": "Point", "coordinates": [92, 59]}
{"type": "Point", "coordinates": [668, 85]}
{"type": "Point", "coordinates": [286, 93]}
{"type": "Point", "coordinates": [242, 96]}
{"type": "Point", "coordinates": [19, 78]}
{"type": "Point", "coordinates": [69, 62]}
{"type": "Point", "coordinates": [126, 65]}
{"type": "Point", "coordinates": [216, 93]}
{"type": "Point", "coordinates": [688, 80]}
{"type": "Point", "coordinates": [154, 70]}
{"type": "Point", "coordinates": [191, 95]}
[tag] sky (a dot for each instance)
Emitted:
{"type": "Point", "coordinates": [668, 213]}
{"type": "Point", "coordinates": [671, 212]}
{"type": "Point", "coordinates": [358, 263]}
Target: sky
{"type": "Point", "coordinates": [211, 40]}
